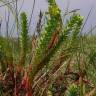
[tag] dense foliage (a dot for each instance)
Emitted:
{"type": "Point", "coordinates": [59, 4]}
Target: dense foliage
{"type": "Point", "coordinates": [62, 58]}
